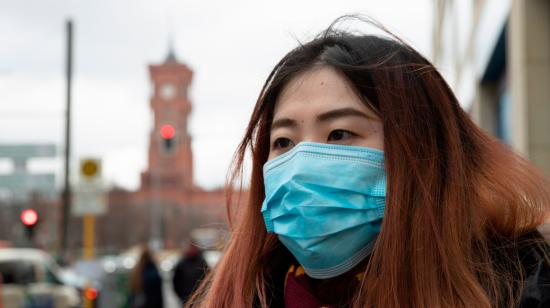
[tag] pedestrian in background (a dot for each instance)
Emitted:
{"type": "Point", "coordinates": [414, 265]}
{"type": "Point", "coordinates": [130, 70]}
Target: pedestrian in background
{"type": "Point", "coordinates": [145, 283]}
{"type": "Point", "coordinates": [371, 187]}
{"type": "Point", "coordinates": [189, 272]}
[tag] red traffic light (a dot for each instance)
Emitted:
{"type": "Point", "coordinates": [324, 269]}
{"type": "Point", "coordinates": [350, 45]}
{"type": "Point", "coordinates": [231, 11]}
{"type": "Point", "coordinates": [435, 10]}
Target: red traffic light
{"type": "Point", "coordinates": [29, 217]}
{"type": "Point", "coordinates": [90, 294]}
{"type": "Point", "coordinates": [167, 131]}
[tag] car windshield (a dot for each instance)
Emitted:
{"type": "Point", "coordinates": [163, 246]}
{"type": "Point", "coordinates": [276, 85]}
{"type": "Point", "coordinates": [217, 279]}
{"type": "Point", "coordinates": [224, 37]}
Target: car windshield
{"type": "Point", "coordinates": [17, 272]}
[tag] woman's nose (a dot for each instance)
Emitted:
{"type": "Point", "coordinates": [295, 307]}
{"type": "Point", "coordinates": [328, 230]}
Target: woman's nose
{"type": "Point", "coordinates": [313, 137]}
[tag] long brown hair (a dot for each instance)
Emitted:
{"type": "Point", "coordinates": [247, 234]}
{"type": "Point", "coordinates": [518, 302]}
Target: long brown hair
{"type": "Point", "coordinates": [457, 199]}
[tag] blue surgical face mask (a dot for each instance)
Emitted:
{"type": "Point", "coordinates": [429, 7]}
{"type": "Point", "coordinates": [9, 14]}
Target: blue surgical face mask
{"type": "Point", "coordinates": [326, 203]}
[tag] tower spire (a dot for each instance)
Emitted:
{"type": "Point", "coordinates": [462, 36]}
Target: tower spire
{"type": "Point", "coordinates": [171, 56]}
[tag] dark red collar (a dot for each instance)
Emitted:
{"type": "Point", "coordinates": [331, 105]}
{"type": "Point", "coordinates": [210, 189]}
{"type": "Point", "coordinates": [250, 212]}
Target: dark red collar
{"type": "Point", "coordinates": [301, 291]}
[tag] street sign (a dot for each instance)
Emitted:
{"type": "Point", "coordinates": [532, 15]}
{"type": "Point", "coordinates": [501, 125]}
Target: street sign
{"type": "Point", "coordinates": [21, 185]}
{"type": "Point", "coordinates": [89, 195]}
{"type": "Point", "coordinates": [27, 151]}
{"type": "Point", "coordinates": [89, 199]}
{"type": "Point", "coordinates": [90, 169]}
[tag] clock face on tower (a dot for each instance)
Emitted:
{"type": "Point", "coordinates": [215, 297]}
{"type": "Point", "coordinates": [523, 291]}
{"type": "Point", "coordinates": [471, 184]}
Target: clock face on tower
{"type": "Point", "coordinates": [167, 91]}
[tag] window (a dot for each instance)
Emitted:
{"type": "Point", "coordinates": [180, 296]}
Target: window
{"type": "Point", "coordinates": [17, 272]}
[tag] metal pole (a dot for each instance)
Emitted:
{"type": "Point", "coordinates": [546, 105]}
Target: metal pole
{"type": "Point", "coordinates": [156, 240]}
{"type": "Point", "coordinates": [66, 208]}
{"type": "Point", "coordinates": [89, 236]}
{"type": "Point", "coordinates": [89, 251]}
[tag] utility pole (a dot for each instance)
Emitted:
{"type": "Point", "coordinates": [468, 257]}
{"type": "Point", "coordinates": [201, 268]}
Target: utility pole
{"type": "Point", "coordinates": [66, 208]}
{"type": "Point", "coordinates": [156, 239]}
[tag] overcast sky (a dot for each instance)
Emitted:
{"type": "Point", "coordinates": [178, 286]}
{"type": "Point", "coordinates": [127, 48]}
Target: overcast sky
{"type": "Point", "coordinates": [230, 45]}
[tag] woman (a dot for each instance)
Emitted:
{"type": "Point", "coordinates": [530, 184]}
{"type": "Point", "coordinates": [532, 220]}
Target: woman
{"type": "Point", "coordinates": [145, 283]}
{"type": "Point", "coordinates": [371, 187]}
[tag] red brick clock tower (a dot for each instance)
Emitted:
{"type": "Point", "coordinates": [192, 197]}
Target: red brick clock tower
{"type": "Point", "coordinates": [170, 164]}
{"type": "Point", "coordinates": [168, 206]}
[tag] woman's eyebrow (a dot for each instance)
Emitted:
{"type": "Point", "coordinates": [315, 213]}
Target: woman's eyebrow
{"type": "Point", "coordinates": [323, 117]}
{"type": "Point", "coordinates": [340, 113]}
{"type": "Point", "coordinates": [283, 122]}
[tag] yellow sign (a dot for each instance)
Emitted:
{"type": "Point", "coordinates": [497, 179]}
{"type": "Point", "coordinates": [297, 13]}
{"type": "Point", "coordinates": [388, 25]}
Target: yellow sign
{"type": "Point", "coordinates": [89, 168]}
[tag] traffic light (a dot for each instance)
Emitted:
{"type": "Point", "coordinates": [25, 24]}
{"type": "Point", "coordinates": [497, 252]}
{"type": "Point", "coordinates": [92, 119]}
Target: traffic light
{"type": "Point", "coordinates": [29, 219]}
{"type": "Point", "coordinates": [90, 294]}
{"type": "Point", "coordinates": [90, 297]}
{"type": "Point", "coordinates": [167, 132]}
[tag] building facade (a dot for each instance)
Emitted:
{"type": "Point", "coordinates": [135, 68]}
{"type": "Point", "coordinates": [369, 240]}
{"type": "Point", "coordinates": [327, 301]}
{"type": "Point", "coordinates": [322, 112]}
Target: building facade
{"type": "Point", "coordinates": [495, 54]}
{"type": "Point", "coordinates": [168, 204]}
{"type": "Point", "coordinates": [166, 209]}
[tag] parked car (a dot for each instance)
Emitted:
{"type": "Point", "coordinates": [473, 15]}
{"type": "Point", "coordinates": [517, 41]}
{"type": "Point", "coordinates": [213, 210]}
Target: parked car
{"type": "Point", "coordinates": [31, 278]}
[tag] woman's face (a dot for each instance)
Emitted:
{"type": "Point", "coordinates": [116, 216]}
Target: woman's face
{"type": "Point", "coordinates": [320, 106]}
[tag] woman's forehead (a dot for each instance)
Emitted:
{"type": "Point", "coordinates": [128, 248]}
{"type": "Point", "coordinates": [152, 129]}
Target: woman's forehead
{"type": "Point", "coordinates": [316, 90]}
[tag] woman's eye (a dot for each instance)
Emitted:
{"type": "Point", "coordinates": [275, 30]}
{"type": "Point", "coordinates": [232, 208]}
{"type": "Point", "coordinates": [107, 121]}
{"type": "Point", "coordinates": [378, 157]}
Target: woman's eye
{"type": "Point", "coordinates": [340, 134]}
{"type": "Point", "coordinates": [282, 143]}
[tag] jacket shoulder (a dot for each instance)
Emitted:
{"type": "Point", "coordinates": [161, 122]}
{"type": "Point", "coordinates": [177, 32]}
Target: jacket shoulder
{"type": "Point", "coordinates": [535, 258]}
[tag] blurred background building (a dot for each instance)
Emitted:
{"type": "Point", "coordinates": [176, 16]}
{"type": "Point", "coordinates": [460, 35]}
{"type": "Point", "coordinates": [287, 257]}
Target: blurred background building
{"type": "Point", "coordinates": [166, 207]}
{"type": "Point", "coordinates": [495, 54]}
{"type": "Point", "coordinates": [21, 189]}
